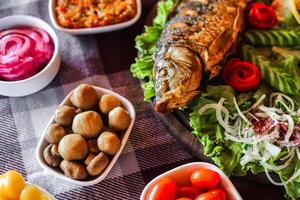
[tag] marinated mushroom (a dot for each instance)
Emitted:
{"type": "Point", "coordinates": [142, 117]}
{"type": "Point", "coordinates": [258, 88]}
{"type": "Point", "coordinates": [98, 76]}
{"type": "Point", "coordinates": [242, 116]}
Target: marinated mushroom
{"type": "Point", "coordinates": [54, 150]}
{"type": "Point", "coordinates": [89, 158]}
{"type": "Point", "coordinates": [74, 170]}
{"type": "Point", "coordinates": [119, 119]}
{"type": "Point", "coordinates": [108, 102]}
{"type": "Point", "coordinates": [78, 110]}
{"type": "Point", "coordinates": [84, 97]}
{"type": "Point", "coordinates": [64, 115]}
{"type": "Point", "coordinates": [55, 133]}
{"type": "Point", "coordinates": [51, 159]}
{"type": "Point", "coordinates": [88, 124]}
{"type": "Point", "coordinates": [109, 143]}
{"type": "Point", "coordinates": [93, 146]}
{"type": "Point", "coordinates": [73, 147]}
{"type": "Point", "coordinates": [98, 164]}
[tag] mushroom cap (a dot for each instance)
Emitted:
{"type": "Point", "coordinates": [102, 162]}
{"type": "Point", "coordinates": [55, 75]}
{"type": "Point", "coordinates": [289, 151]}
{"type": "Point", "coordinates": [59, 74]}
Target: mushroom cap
{"type": "Point", "coordinates": [108, 102]}
{"type": "Point", "coordinates": [74, 170]}
{"type": "Point", "coordinates": [93, 146]}
{"type": "Point", "coordinates": [88, 124]}
{"type": "Point", "coordinates": [50, 158]}
{"type": "Point", "coordinates": [54, 133]}
{"type": "Point", "coordinates": [98, 164]}
{"type": "Point", "coordinates": [119, 119]}
{"type": "Point", "coordinates": [64, 115]}
{"type": "Point", "coordinates": [84, 97]}
{"type": "Point", "coordinates": [54, 150]}
{"type": "Point", "coordinates": [109, 143]}
{"type": "Point", "coordinates": [89, 158]}
{"type": "Point", "coordinates": [73, 147]}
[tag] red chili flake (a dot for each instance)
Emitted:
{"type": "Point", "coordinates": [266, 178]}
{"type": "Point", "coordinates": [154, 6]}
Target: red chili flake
{"type": "Point", "coordinates": [262, 125]}
{"type": "Point", "coordinates": [283, 127]}
{"type": "Point", "coordinates": [296, 132]}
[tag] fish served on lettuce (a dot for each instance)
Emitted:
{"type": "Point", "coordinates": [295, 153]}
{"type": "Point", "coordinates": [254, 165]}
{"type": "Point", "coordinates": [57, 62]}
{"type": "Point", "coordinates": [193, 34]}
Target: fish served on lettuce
{"type": "Point", "coordinates": [196, 38]}
{"type": "Point", "coordinates": [243, 126]}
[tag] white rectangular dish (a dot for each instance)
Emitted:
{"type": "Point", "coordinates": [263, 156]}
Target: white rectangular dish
{"type": "Point", "coordinates": [182, 173]}
{"type": "Point", "coordinates": [92, 30]}
{"type": "Point", "coordinates": [126, 104]}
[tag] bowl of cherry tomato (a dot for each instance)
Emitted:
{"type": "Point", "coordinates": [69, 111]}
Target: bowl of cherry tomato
{"type": "Point", "coordinates": [193, 181]}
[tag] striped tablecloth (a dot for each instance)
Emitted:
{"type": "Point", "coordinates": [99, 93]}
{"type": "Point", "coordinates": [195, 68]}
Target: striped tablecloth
{"type": "Point", "coordinates": [101, 60]}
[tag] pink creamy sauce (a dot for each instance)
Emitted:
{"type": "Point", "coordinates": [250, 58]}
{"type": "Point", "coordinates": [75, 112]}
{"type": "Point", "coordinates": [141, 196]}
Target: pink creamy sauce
{"type": "Point", "coordinates": [24, 52]}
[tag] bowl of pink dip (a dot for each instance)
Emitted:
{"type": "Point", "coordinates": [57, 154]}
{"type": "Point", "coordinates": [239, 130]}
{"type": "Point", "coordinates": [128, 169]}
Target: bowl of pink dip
{"type": "Point", "coordinates": [29, 55]}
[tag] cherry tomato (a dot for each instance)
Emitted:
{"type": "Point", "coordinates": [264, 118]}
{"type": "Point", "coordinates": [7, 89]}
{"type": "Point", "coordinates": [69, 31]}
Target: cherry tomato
{"type": "Point", "coordinates": [205, 179]}
{"type": "Point", "coordinates": [184, 198]}
{"type": "Point", "coordinates": [188, 191]}
{"type": "Point", "coordinates": [216, 194]}
{"type": "Point", "coordinates": [164, 189]}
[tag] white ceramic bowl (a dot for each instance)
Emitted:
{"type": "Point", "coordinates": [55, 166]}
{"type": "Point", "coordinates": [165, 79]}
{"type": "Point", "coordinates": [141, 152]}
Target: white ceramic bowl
{"type": "Point", "coordinates": [43, 191]}
{"type": "Point", "coordinates": [93, 30]}
{"type": "Point", "coordinates": [44, 77]}
{"type": "Point", "coordinates": [124, 137]}
{"type": "Point", "coordinates": [181, 175]}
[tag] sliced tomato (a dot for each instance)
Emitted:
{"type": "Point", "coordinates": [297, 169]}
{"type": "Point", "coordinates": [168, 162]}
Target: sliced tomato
{"type": "Point", "coordinates": [205, 179]}
{"type": "Point", "coordinates": [183, 198]}
{"type": "Point", "coordinates": [188, 191]}
{"type": "Point", "coordinates": [164, 189]}
{"type": "Point", "coordinates": [216, 194]}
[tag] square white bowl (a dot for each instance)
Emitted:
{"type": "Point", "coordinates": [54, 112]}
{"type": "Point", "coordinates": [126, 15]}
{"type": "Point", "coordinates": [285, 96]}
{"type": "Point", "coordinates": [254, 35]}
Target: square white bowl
{"type": "Point", "coordinates": [126, 104]}
{"type": "Point", "coordinates": [181, 175]}
{"type": "Point", "coordinates": [92, 30]}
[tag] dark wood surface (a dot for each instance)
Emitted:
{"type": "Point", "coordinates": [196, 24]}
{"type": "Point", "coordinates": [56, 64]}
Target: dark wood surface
{"type": "Point", "coordinates": [120, 53]}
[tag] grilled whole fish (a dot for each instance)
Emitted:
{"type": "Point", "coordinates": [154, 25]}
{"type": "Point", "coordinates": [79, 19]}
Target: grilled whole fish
{"type": "Point", "coordinates": [194, 40]}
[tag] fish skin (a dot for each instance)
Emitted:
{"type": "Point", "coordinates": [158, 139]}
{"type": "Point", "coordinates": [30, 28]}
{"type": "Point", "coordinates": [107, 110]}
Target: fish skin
{"type": "Point", "coordinates": [194, 41]}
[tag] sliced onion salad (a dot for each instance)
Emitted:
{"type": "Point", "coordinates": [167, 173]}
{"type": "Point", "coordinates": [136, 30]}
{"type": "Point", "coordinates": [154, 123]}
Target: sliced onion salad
{"type": "Point", "coordinates": [264, 140]}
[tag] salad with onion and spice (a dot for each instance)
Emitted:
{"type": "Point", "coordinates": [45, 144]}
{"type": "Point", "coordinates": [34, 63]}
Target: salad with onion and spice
{"type": "Point", "coordinates": [248, 119]}
{"type": "Point", "coordinates": [257, 112]}
{"type": "Point", "coordinates": [257, 131]}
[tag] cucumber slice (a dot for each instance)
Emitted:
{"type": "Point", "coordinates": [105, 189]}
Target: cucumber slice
{"type": "Point", "coordinates": [269, 38]}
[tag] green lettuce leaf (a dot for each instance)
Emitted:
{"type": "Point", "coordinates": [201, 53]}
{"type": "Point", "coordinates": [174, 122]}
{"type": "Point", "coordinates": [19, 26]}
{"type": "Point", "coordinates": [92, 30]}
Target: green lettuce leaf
{"type": "Point", "coordinates": [292, 188]}
{"type": "Point", "coordinates": [225, 153]}
{"type": "Point", "coordinates": [146, 46]}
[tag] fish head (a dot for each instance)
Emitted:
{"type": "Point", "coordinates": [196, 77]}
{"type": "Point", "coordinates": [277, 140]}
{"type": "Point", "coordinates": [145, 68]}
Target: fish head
{"type": "Point", "coordinates": [177, 77]}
